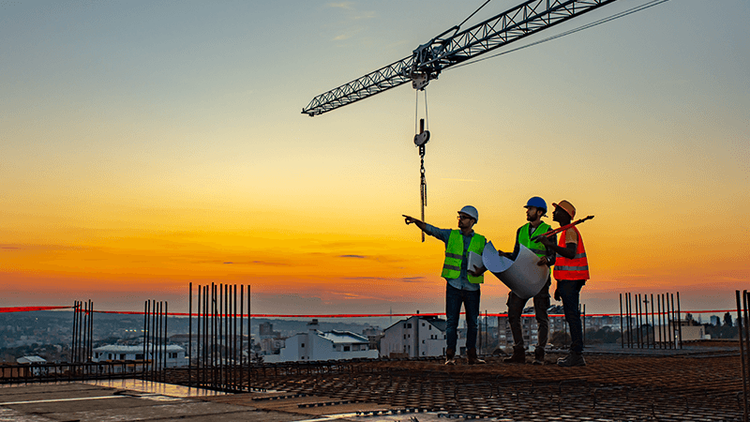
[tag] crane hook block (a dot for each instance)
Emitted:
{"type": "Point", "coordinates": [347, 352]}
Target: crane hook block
{"type": "Point", "coordinates": [421, 138]}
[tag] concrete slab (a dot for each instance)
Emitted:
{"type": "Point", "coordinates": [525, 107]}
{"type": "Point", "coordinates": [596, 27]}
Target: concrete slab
{"type": "Point", "coordinates": [91, 403]}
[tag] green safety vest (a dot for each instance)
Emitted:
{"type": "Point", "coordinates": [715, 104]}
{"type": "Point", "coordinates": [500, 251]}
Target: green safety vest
{"type": "Point", "coordinates": [454, 252]}
{"type": "Point", "coordinates": [525, 240]}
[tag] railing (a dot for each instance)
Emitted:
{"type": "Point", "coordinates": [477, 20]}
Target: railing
{"type": "Point", "coordinates": [76, 371]}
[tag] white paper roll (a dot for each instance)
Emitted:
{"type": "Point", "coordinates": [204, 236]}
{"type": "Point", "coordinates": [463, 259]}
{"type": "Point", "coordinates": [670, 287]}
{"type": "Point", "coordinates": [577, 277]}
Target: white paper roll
{"type": "Point", "coordinates": [523, 276]}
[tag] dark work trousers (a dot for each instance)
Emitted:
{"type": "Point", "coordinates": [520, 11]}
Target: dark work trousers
{"type": "Point", "coordinates": [453, 300]}
{"type": "Point", "coordinates": [570, 293]}
{"type": "Point", "coordinates": [515, 308]}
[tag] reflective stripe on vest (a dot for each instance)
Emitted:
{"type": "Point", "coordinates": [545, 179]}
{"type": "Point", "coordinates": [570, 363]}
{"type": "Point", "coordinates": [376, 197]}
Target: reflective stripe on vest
{"type": "Point", "coordinates": [454, 252]}
{"type": "Point", "coordinates": [525, 240]}
{"type": "Point", "coordinates": [572, 269]}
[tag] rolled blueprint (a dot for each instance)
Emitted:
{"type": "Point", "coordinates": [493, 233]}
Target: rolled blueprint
{"type": "Point", "coordinates": [523, 276]}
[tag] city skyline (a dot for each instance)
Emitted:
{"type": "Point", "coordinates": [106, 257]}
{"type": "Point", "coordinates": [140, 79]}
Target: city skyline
{"type": "Point", "coordinates": [149, 145]}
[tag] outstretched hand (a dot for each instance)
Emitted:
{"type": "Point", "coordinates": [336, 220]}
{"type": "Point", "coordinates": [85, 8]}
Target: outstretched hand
{"type": "Point", "coordinates": [409, 219]}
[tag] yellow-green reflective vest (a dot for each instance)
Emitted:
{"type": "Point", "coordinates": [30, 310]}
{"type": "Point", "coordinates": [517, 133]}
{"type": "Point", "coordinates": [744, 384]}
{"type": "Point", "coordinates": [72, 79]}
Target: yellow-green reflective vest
{"type": "Point", "coordinates": [454, 252]}
{"type": "Point", "coordinates": [525, 240]}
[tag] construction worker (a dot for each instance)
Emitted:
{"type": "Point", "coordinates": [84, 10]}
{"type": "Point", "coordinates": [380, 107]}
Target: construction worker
{"type": "Point", "coordinates": [571, 272]}
{"type": "Point", "coordinates": [462, 285]}
{"type": "Point", "coordinates": [536, 208]}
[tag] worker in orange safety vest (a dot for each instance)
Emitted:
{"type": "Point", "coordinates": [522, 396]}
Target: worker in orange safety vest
{"type": "Point", "coordinates": [571, 272]}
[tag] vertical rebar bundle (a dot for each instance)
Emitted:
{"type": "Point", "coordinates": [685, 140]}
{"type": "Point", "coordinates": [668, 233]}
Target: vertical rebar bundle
{"type": "Point", "coordinates": [218, 362]}
{"type": "Point", "coordinates": [659, 328]}
{"type": "Point", "coordinates": [82, 342]}
{"type": "Point", "coordinates": [155, 340]}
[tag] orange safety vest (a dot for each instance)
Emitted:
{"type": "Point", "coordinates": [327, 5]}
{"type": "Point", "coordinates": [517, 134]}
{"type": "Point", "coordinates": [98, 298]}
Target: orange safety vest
{"type": "Point", "coordinates": [572, 269]}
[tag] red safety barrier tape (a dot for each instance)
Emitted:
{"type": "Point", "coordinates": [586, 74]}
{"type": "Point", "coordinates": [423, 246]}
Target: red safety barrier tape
{"type": "Point", "coordinates": [47, 308]}
{"type": "Point", "coordinates": [31, 308]}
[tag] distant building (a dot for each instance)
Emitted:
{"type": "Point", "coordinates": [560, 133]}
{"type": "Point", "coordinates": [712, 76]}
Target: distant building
{"type": "Point", "coordinates": [271, 345]}
{"type": "Point", "coordinates": [317, 345]}
{"type": "Point", "coordinates": [373, 335]}
{"type": "Point", "coordinates": [36, 360]}
{"type": "Point", "coordinates": [175, 355]}
{"type": "Point", "coordinates": [32, 361]}
{"type": "Point", "coordinates": [529, 328]}
{"type": "Point", "coordinates": [417, 336]}
{"type": "Point", "coordinates": [265, 330]}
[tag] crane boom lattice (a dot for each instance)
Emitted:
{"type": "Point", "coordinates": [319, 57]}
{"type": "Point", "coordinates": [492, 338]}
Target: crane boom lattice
{"type": "Point", "coordinates": [447, 49]}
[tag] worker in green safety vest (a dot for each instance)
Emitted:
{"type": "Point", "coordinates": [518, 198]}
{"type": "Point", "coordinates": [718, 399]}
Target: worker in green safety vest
{"type": "Point", "coordinates": [462, 283]}
{"type": "Point", "coordinates": [536, 208]}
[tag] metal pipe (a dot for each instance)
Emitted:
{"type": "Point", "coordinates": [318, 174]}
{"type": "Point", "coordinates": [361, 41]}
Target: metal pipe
{"type": "Point", "coordinates": [622, 332]}
{"type": "Point", "coordinates": [746, 300]}
{"type": "Point", "coordinates": [145, 331]}
{"type": "Point", "coordinates": [674, 322]}
{"type": "Point", "coordinates": [743, 349]}
{"type": "Point", "coordinates": [672, 338]}
{"type": "Point", "coordinates": [206, 337]}
{"type": "Point", "coordinates": [242, 310]}
{"type": "Point", "coordinates": [154, 331]}
{"type": "Point", "coordinates": [166, 337]}
{"type": "Point", "coordinates": [73, 339]}
{"type": "Point", "coordinates": [249, 339]}
{"type": "Point", "coordinates": [190, 335]}
{"type": "Point", "coordinates": [91, 337]}
{"type": "Point", "coordinates": [679, 319]}
{"type": "Point", "coordinates": [206, 334]}
{"type": "Point", "coordinates": [658, 315]}
{"type": "Point", "coordinates": [638, 322]}
{"type": "Point", "coordinates": [627, 315]}
{"type": "Point", "coordinates": [234, 339]}
{"type": "Point", "coordinates": [653, 321]}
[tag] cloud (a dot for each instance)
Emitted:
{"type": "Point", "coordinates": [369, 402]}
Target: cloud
{"type": "Point", "coordinates": [353, 256]}
{"type": "Point", "coordinates": [412, 279]}
{"type": "Point", "coordinates": [347, 5]}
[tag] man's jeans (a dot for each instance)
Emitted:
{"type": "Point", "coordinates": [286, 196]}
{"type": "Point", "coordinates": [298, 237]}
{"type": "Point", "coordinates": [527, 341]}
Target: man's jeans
{"type": "Point", "coordinates": [453, 300]}
{"type": "Point", "coordinates": [570, 291]}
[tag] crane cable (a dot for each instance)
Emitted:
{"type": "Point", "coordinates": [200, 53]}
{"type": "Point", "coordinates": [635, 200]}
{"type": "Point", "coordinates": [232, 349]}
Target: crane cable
{"type": "Point", "coordinates": [635, 9]}
{"type": "Point", "coordinates": [422, 135]}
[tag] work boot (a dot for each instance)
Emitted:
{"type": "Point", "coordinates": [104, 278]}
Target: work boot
{"type": "Point", "coordinates": [473, 359]}
{"type": "Point", "coordinates": [450, 357]}
{"type": "Point", "coordinates": [573, 359]}
{"type": "Point", "coordinates": [538, 356]}
{"type": "Point", "coordinates": [519, 356]}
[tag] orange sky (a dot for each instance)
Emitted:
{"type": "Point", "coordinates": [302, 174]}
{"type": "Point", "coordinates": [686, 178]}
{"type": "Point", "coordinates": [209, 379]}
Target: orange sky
{"type": "Point", "coordinates": [146, 149]}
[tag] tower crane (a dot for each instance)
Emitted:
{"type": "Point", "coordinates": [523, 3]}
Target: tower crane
{"type": "Point", "coordinates": [450, 48]}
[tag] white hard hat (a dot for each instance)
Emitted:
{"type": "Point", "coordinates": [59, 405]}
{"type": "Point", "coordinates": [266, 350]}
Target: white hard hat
{"type": "Point", "coordinates": [471, 212]}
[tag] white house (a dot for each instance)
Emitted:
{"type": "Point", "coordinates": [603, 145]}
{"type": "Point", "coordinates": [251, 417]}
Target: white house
{"type": "Point", "coordinates": [175, 355]}
{"type": "Point", "coordinates": [36, 363]}
{"type": "Point", "coordinates": [317, 345]}
{"type": "Point", "coordinates": [417, 336]}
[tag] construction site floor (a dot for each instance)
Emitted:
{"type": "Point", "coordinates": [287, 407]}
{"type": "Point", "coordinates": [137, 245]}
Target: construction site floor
{"type": "Point", "coordinates": [695, 385]}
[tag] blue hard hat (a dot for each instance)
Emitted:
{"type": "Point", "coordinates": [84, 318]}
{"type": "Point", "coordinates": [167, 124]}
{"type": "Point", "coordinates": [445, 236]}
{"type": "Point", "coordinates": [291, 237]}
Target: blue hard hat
{"type": "Point", "coordinates": [536, 202]}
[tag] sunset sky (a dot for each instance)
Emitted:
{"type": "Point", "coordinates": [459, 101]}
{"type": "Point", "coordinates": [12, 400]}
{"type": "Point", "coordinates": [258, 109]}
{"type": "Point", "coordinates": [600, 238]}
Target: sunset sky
{"type": "Point", "coordinates": [147, 145]}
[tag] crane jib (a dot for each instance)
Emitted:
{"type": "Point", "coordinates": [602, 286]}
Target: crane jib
{"type": "Point", "coordinates": [431, 58]}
